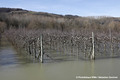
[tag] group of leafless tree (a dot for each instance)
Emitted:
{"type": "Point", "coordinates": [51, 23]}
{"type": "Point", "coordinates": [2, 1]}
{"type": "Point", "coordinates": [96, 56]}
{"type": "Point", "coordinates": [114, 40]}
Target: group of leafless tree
{"type": "Point", "coordinates": [39, 20]}
{"type": "Point", "coordinates": [67, 44]}
{"type": "Point", "coordinates": [64, 35]}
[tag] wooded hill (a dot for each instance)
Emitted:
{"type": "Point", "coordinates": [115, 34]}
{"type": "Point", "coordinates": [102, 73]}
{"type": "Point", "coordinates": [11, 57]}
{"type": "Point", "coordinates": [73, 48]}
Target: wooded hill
{"type": "Point", "coordinates": [19, 18]}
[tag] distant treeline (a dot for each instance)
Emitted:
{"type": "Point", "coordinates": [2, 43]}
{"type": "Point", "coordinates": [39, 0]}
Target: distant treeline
{"type": "Point", "coordinates": [19, 18]}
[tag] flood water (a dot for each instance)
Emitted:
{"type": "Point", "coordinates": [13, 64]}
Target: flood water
{"type": "Point", "coordinates": [14, 66]}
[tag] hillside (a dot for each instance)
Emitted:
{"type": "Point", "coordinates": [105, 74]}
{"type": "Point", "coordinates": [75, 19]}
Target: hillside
{"type": "Point", "coordinates": [10, 9]}
{"type": "Point", "coordinates": [20, 18]}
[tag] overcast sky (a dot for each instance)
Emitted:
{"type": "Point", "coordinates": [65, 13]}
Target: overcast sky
{"type": "Point", "coordinates": [74, 7]}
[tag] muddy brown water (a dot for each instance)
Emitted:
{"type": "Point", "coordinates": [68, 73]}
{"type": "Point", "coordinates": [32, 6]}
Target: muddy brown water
{"type": "Point", "coordinates": [14, 66]}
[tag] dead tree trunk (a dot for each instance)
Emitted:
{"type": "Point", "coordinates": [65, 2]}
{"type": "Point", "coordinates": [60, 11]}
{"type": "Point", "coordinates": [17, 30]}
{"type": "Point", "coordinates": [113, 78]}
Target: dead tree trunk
{"type": "Point", "coordinates": [41, 45]}
{"type": "Point", "coordinates": [93, 47]}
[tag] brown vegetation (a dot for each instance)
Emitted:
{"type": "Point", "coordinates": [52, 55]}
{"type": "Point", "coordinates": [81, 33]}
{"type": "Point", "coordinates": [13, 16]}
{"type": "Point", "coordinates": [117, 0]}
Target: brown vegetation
{"type": "Point", "coordinates": [58, 45]}
{"type": "Point", "coordinates": [40, 20]}
{"type": "Point", "coordinates": [66, 34]}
